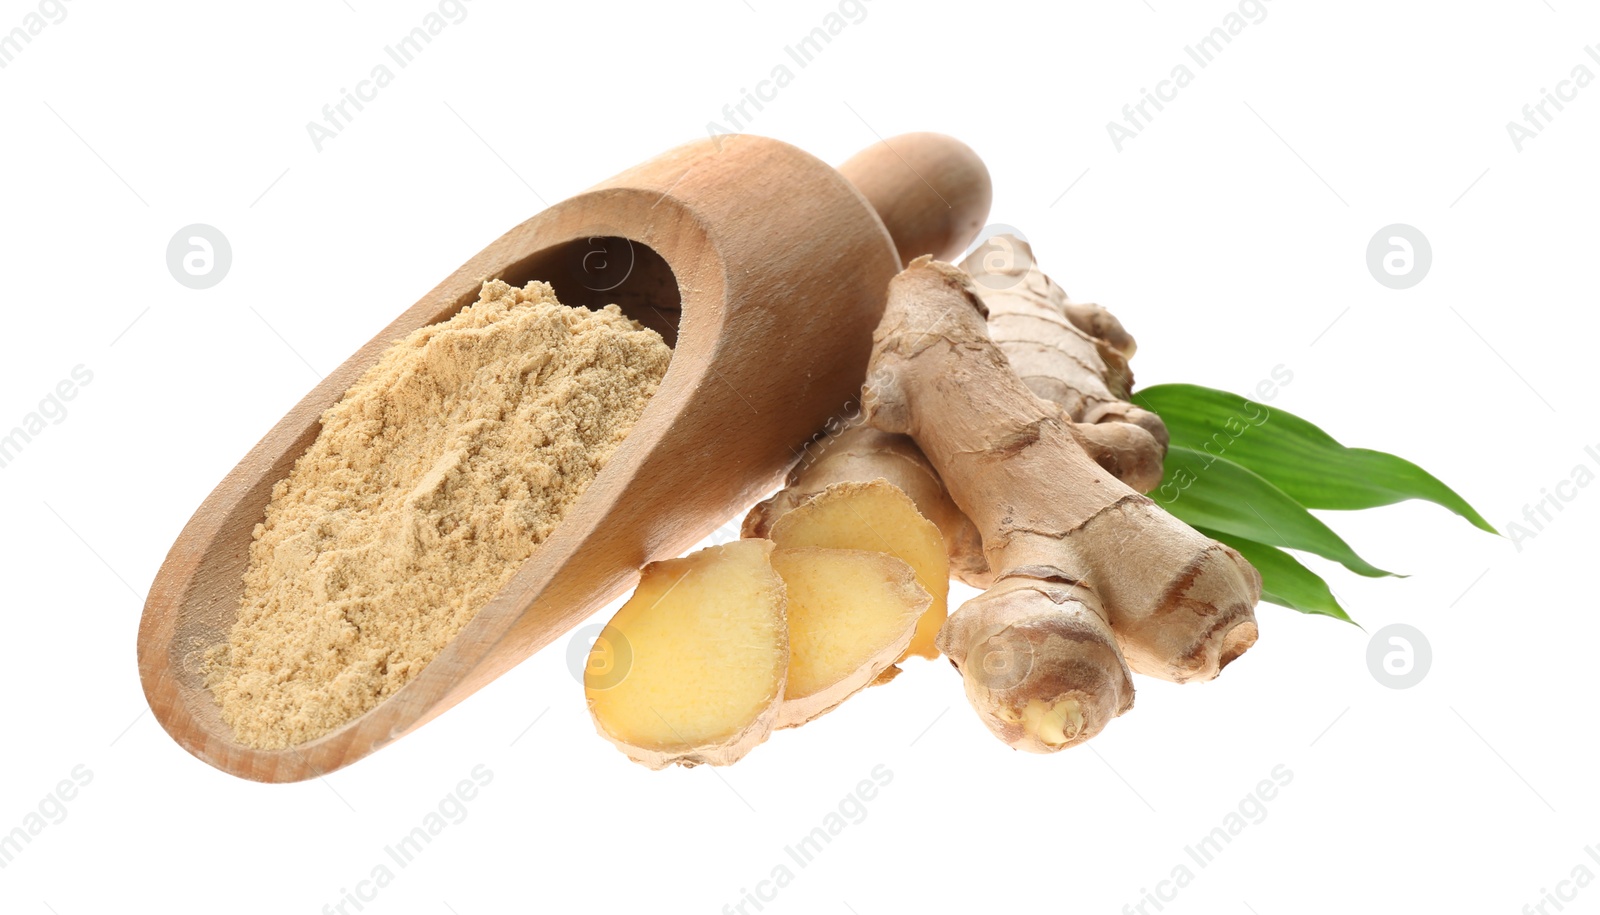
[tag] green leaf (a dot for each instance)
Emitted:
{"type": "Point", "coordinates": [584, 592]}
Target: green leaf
{"type": "Point", "coordinates": [1284, 581]}
{"type": "Point", "coordinates": [1216, 493]}
{"type": "Point", "coordinates": [1296, 456]}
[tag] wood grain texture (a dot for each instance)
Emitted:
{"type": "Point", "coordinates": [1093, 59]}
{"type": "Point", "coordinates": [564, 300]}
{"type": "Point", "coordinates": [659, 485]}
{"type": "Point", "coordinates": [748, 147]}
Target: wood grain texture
{"type": "Point", "coordinates": [932, 192]}
{"type": "Point", "coordinates": [764, 267]}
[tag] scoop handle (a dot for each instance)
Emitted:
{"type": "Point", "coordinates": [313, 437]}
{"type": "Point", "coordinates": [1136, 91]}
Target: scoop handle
{"type": "Point", "coordinates": [931, 191]}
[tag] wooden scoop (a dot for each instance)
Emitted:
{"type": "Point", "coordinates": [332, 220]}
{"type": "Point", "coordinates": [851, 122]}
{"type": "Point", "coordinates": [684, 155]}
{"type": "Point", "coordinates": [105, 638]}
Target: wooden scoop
{"type": "Point", "coordinates": [766, 270]}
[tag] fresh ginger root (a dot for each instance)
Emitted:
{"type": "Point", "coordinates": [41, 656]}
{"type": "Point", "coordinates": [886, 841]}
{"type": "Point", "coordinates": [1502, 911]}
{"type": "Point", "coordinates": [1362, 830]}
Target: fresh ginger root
{"type": "Point", "coordinates": [875, 516]}
{"type": "Point", "coordinates": [717, 649]}
{"type": "Point", "coordinates": [1073, 354]}
{"type": "Point", "coordinates": [862, 454]}
{"type": "Point", "coordinates": [705, 655]}
{"type": "Point", "coordinates": [1075, 553]}
{"type": "Point", "coordinates": [851, 614]}
{"type": "Point", "coordinates": [997, 418]}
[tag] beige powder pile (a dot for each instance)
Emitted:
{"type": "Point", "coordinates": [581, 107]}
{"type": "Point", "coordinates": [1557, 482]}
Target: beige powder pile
{"type": "Point", "coordinates": [439, 472]}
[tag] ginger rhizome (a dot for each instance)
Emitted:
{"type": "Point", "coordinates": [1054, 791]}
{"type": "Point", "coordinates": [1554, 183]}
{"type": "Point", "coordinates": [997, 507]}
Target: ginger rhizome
{"type": "Point", "coordinates": [862, 454]}
{"type": "Point", "coordinates": [851, 614]}
{"type": "Point", "coordinates": [1073, 354]}
{"type": "Point", "coordinates": [717, 649]}
{"type": "Point", "coordinates": [874, 516]}
{"type": "Point", "coordinates": [706, 651]}
{"type": "Point", "coordinates": [998, 445]}
{"type": "Point", "coordinates": [1074, 551]}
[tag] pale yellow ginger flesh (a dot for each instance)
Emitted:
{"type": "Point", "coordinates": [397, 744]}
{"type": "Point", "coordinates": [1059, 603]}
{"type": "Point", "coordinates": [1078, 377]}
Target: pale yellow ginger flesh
{"type": "Point", "coordinates": [1054, 724]}
{"type": "Point", "coordinates": [692, 668]}
{"type": "Point", "coordinates": [861, 454]}
{"type": "Point", "coordinates": [851, 615]}
{"type": "Point", "coordinates": [877, 517]}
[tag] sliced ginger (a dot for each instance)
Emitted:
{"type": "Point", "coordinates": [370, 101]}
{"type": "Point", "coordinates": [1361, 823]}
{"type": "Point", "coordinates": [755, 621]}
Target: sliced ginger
{"type": "Point", "coordinates": [716, 649]}
{"type": "Point", "coordinates": [708, 652]}
{"type": "Point", "coordinates": [876, 517]}
{"type": "Point", "coordinates": [851, 615]}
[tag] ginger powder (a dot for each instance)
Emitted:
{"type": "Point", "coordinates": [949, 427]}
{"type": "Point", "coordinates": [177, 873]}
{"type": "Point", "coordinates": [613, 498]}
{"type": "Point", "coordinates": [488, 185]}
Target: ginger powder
{"type": "Point", "coordinates": [439, 472]}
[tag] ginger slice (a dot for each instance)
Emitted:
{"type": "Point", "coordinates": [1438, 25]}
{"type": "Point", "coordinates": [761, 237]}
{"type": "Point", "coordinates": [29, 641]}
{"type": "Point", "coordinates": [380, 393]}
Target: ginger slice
{"type": "Point", "coordinates": [851, 615]}
{"type": "Point", "coordinates": [877, 517]}
{"type": "Point", "coordinates": [704, 651]}
{"type": "Point", "coordinates": [861, 454]}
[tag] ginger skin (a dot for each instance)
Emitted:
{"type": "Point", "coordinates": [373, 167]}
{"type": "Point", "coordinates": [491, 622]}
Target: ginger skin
{"type": "Point", "coordinates": [1036, 650]}
{"type": "Point", "coordinates": [1073, 354]}
{"type": "Point", "coordinates": [1132, 563]}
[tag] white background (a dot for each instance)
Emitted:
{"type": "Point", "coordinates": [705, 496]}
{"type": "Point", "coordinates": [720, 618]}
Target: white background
{"type": "Point", "coordinates": [1229, 236]}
